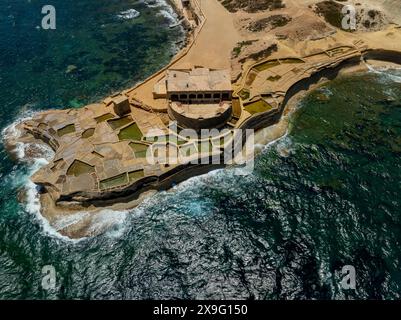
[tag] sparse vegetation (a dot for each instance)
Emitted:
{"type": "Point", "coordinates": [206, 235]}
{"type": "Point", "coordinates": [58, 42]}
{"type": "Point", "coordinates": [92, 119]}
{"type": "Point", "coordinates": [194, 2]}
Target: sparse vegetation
{"type": "Point", "coordinates": [372, 19]}
{"type": "Point", "coordinates": [271, 22]}
{"type": "Point", "coordinates": [237, 50]}
{"type": "Point", "coordinates": [331, 11]}
{"type": "Point", "coordinates": [366, 19]}
{"type": "Point", "coordinates": [373, 13]}
{"type": "Point", "coordinates": [261, 54]}
{"type": "Point", "coordinates": [253, 5]}
{"type": "Point", "coordinates": [244, 94]}
{"type": "Point", "coordinates": [274, 78]}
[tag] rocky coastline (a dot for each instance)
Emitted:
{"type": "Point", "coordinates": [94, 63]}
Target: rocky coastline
{"type": "Point", "coordinates": [291, 71]}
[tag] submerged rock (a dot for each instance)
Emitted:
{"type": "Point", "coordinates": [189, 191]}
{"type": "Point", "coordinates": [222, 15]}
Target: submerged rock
{"type": "Point", "coordinates": [71, 68]}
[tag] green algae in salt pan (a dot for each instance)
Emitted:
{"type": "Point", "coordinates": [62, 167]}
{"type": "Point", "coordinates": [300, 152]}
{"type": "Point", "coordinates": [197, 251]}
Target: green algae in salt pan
{"type": "Point", "coordinates": [257, 106]}
{"type": "Point", "coordinates": [131, 132]}
{"type": "Point", "coordinates": [120, 122]}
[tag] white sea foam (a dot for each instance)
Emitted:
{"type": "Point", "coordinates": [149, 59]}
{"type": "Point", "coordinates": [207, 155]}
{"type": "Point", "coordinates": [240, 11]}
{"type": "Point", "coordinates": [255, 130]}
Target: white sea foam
{"type": "Point", "coordinates": [285, 146]}
{"type": "Point", "coordinates": [165, 10]}
{"type": "Point", "coordinates": [114, 223]}
{"type": "Point", "coordinates": [44, 151]}
{"type": "Point", "coordinates": [394, 77]}
{"type": "Point", "coordinates": [32, 206]}
{"type": "Point", "coordinates": [155, 3]}
{"type": "Point", "coordinates": [326, 91]}
{"type": "Point", "coordinates": [32, 202]}
{"type": "Point", "coordinates": [107, 220]}
{"type": "Point", "coordinates": [129, 14]}
{"type": "Point", "coordinates": [206, 178]}
{"type": "Point", "coordinates": [385, 71]}
{"type": "Point", "coordinates": [19, 150]}
{"type": "Point", "coordinates": [169, 15]}
{"type": "Point", "coordinates": [11, 131]}
{"type": "Point", "coordinates": [193, 183]}
{"type": "Point", "coordinates": [70, 220]}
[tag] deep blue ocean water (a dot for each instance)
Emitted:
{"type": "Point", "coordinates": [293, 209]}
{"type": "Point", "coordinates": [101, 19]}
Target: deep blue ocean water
{"type": "Point", "coordinates": [324, 196]}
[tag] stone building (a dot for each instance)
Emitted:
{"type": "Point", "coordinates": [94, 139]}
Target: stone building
{"type": "Point", "coordinates": [119, 103]}
{"type": "Point", "coordinates": [198, 97]}
{"type": "Point", "coordinates": [198, 85]}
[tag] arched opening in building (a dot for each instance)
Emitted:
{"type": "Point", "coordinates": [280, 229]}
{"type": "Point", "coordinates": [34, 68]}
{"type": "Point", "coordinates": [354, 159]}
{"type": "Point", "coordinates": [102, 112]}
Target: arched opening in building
{"type": "Point", "coordinates": [225, 96]}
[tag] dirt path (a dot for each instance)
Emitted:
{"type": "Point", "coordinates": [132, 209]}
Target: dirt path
{"type": "Point", "coordinates": [212, 48]}
{"type": "Point", "coordinates": [214, 44]}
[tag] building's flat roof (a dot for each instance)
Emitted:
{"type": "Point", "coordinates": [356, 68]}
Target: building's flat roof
{"type": "Point", "coordinates": [198, 80]}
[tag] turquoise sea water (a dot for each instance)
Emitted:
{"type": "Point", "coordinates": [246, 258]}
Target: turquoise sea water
{"type": "Point", "coordinates": [326, 195]}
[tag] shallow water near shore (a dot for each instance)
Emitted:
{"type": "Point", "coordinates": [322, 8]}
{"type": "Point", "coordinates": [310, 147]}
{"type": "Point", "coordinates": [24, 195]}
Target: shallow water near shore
{"type": "Point", "coordinates": [324, 196]}
{"type": "Point", "coordinates": [98, 47]}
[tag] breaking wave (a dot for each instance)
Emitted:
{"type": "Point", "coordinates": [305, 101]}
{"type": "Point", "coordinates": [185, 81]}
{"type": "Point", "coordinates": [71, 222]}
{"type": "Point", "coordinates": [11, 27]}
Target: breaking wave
{"type": "Point", "coordinates": [129, 14]}
{"type": "Point", "coordinates": [110, 222]}
{"type": "Point", "coordinates": [165, 10]}
{"type": "Point", "coordinates": [391, 73]}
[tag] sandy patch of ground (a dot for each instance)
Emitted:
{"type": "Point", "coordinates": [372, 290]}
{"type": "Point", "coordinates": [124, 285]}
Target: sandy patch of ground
{"type": "Point", "coordinates": [212, 48]}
